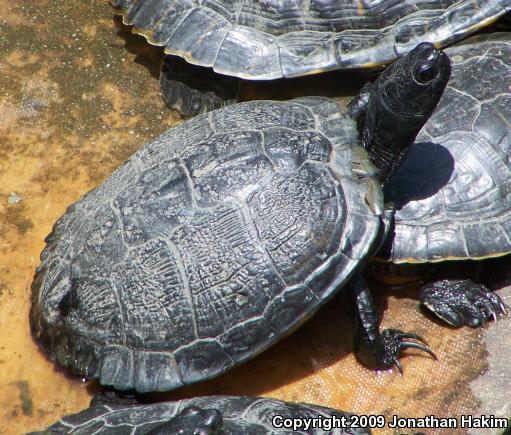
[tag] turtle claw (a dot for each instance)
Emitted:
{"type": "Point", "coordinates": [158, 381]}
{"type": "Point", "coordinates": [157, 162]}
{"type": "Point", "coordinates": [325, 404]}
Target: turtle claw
{"type": "Point", "coordinates": [379, 350]}
{"type": "Point", "coordinates": [412, 335]}
{"type": "Point", "coordinates": [399, 367]}
{"type": "Point", "coordinates": [411, 345]}
{"type": "Point", "coordinates": [394, 342]}
{"type": "Point", "coordinates": [502, 306]}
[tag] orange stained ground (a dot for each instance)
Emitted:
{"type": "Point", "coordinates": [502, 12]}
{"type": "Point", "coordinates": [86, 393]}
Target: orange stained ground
{"type": "Point", "coordinates": [78, 95]}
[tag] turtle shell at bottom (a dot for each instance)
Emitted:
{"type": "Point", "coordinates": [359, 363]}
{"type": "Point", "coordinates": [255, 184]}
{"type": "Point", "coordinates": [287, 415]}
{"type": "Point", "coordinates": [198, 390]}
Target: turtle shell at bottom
{"type": "Point", "coordinates": [239, 415]}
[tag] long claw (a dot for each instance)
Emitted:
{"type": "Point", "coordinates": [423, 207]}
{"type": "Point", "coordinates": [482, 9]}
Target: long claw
{"type": "Point", "coordinates": [411, 344]}
{"type": "Point", "coordinates": [493, 315]}
{"type": "Point", "coordinates": [398, 365]}
{"type": "Point", "coordinates": [412, 335]}
{"type": "Point", "coordinates": [502, 307]}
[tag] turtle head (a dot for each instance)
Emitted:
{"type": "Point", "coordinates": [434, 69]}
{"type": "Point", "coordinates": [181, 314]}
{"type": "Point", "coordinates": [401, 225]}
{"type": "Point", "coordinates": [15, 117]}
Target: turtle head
{"type": "Point", "coordinates": [413, 85]}
{"type": "Point", "coordinates": [400, 102]}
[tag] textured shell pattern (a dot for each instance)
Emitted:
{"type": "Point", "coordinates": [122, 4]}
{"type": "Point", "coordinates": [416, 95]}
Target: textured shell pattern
{"type": "Point", "coordinates": [208, 245]}
{"type": "Point", "coordinates": [455, 185]}
{"type": "Point", "coordinates": [241, 415]}
{"type": "Point", "coordinates": [270, 39]}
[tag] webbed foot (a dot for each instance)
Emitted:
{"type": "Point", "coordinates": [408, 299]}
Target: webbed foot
{"type": "Point", "coordinates": [462, 302]}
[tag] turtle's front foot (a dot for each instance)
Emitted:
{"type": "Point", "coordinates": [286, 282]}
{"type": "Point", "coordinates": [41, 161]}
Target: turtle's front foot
{"type": "Point", "coordinates": [462, 302]}
{"type": "Point", "coordinates": [375, 349]}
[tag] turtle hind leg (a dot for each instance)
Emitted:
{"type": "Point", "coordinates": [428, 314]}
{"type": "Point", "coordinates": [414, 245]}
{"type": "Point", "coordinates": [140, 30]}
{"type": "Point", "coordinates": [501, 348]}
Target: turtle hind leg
{"type": "Point", "coordinates": [461, 302]}
{"type": "Point", "coordinates": [191, 420]}
{"type": "Point", "coordinates": [192, 89]}
{"type": "Point", "coordinates": [374, 348]}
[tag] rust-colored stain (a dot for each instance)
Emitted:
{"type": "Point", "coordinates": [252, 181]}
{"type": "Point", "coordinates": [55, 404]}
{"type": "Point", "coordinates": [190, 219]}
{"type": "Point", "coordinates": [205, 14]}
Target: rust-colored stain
{"type": "Point", "coordinates": [78, 95]}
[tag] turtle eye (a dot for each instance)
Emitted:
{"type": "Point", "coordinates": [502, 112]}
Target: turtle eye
{"type": "Point", "coordinates": [424, 72]}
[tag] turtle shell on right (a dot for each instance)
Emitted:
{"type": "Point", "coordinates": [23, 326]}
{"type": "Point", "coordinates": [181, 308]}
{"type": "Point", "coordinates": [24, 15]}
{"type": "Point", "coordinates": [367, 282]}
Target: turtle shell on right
{"type": "Point", "coordinates": [453, 191]}
{"type": "Point", "coordinates": [270, 39]}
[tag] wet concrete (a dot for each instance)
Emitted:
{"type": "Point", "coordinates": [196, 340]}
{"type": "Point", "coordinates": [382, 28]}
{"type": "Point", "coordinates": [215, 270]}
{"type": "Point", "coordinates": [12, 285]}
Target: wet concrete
{"type": "Point", "coordinates": [78, 95]}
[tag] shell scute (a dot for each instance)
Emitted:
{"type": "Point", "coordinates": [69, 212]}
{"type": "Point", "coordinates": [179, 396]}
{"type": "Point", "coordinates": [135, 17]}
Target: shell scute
{"type": "Point", "coordinates": [230, 277]}
{"type": "Point", "coordinates": [183, 39]}
{"type": "Point", "coordinates": [289, 149]}
{"type": "Point", "coordinates": [200, 359]}
{"type": "Point", "coordinates": [239, 342]}
{"type": "Point", "coordinates": [264, 114]}
{"type": "Point", "coordinates": [295, 217]}
{"type": "Point", "coordinates": [150, 285]}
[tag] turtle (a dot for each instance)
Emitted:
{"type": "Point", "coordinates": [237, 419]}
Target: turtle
{"type": "Point", "coordinates": [227, 232]}
{"type": "Point", "coordinates": [453, 191]}
{"type": "Point", "coordinates": [208, 415]}
{"type": "Point", "coordinates": [271, 39]}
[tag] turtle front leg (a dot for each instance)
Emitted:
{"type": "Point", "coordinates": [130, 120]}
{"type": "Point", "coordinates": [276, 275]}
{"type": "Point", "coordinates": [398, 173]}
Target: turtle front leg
{"type": "Point", "coordinates": [358, 105]}
{"type": "Point", "coordinates": [375, 349]}
{"type": "Point", "coordinates": [462, 302]}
